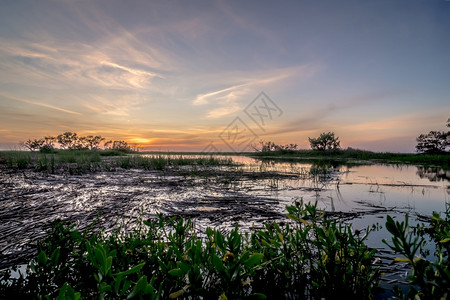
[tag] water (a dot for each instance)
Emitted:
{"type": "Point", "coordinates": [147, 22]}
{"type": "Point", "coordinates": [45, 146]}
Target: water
{"type": "Point", "coordinates": [249, 193]}
{"type": "Point", "coordinates": [367, 193]}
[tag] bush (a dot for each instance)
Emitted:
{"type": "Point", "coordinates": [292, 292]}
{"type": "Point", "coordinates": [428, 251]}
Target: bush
{"type": "Point", "coordinates": [309, 257]}
{"type": "Point", "coordinates": [47, 149]}
{"type": "Point", "coordinates": [266, 147]}
{"type": "Point", "coordinates": [434, 142]}
{"type": "Point", "coordinates": [326, 141]}
{"type": "Point", "coordinates": [427, 279]}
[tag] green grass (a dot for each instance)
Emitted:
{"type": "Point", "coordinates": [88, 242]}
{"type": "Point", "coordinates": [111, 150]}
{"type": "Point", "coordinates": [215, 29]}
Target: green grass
{"type": "Point", "coordinates": [161, 162]}
{"type": "Point", "coordinates": [71, 161]}
{"type": "Point", "coordinates": [79, 161]}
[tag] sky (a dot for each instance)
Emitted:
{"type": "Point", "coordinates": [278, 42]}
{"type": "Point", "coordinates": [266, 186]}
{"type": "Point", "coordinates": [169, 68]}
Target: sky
{"type": "Point", "coordinates": [224, 75]}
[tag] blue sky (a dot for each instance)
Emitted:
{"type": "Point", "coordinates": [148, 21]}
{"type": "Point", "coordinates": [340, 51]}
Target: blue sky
{"type": "Point", "coordinates": [173, 75]}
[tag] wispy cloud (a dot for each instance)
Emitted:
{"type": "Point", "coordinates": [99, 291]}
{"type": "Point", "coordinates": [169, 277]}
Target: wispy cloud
{"type": "Point", "coordinates": [77, 64]}
{"type": "Point", "coordinates": [113, 104]}
{"type": "Point", "coordinates": [226, 100]}
{"type": "Point", "coordinates": [206, 98]}
{"type": "Point", "coordinates": [37, 103]}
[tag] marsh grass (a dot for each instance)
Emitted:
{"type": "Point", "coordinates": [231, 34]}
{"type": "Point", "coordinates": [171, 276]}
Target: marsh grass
{"type": "Point", "coordinates": [80, 161]}
{"type": "Point", "coordinates": [161, 162]}
{"type": "Point", "coordinates": [356, 156]}
{"type": "Point", "coordinates": [16, 159]}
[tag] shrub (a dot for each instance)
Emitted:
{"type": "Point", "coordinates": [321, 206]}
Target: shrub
{"type": "Point", "coordinates": [326, 141]}
{"type": "Point", "coordinates": [309, 257]}
{"type": "Point", "coordinates": [427, 279]}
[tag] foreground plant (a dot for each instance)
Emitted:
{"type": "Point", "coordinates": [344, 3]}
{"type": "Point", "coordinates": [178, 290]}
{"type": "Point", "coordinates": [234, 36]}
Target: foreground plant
{"type": "Point", "coordinates": [427, 279]}
{"type": "Point", "coordinates": [308, 257]}
{"type": "Point", "coordinates": [315, 257]}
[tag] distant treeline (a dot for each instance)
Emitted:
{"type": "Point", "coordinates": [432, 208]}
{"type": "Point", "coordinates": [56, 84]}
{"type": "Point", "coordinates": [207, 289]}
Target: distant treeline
{"type": "Point", "coordinates": [72, 141]}
{"type": "Point", "coordinates": [434, 142]}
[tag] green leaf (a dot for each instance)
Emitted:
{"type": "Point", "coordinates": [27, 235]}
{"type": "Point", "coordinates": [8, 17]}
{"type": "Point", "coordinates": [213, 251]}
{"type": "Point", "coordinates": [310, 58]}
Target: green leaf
{"type": "Point", "coordinates": [253, 260]}
{"type": "Point", "coordinates": [100, 256]}
{"type": "Point", "coordinates": [264, 235]}
{"type": "Point", "coordinates": [149, 290]}
{"type": "Point", "coordinates": [105, 288]}
{"type": "Point", "coordinates": [292, 217]}
{"type": "Point", "coordinates": [117, 284]}
{"type": "Point", "coordinates": [235, 274]}
{"type": "Point", "coordinates": [139, 287]}
{"type": "Point", "coordinates": [176, 272]}
{"type": "Point", "coordinates": [67, 293]}
{"type": "Point", "coordinates": [217, 262]}
{"type": "Point", "coordinates": [62, 292]}
{"type": "Point", "coordinates": [134, 269]}
{"type": "Point", "coordinates": [126, 287]}
{"type": "Point", "coordinates": [184, 267]}
{"type": "Point", "coordinates": [390, 225]}
{"type": "Point", "coordinates": [42, 258]}
{"type": "Point", "coordinates": [55, 255]}
{"type": "Point", "coordinates": [108, 264]}
{"type": "Point", "coordinates": [219, 240]}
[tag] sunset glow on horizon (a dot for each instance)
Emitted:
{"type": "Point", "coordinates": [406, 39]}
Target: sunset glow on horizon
{"type": "Point", "coordinates": [178, 76]}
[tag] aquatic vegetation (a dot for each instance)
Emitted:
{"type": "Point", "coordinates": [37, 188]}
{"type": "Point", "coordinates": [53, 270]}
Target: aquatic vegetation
{"type": "Point", "coordinates": [428, 279]}
{"type": "Point", "coordinates": [352, 156]}
{"type": "Point", "coordinates": [309, 256]}
{"type": "Point", "coordinates": [16, 159]}
{"type": "Point", "coordinates": [315, 257]}
{"type": "Point", "coordinates": [162, 162]}
{"type": "Point", "coordinates": [80, 161]}
{"type": "Point", "coordinates": [62, 161]}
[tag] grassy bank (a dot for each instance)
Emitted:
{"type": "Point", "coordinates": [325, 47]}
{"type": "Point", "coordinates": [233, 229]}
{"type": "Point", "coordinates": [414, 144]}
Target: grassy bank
{"type": "Point", "coordinates": [88, 160]}
{"type": "Point", "coordinates": [80, 161]}
{"type": "Point", "coordinates": [442, 160]}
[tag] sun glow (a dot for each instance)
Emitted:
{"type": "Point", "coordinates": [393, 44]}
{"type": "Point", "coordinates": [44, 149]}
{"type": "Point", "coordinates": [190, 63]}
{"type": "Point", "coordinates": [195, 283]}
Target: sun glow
{"type": "Point", "coordinates": [139, 140]}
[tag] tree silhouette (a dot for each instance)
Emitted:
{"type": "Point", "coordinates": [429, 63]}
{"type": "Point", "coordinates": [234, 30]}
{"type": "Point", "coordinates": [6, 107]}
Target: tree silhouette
{"type": "Point", "coordinates": [434, 142]}
{"type": "Point", "coordinates": [326, 141]}
{"type": "Point", "coordinates": [49, 144]}
{"type": "Point", "coordinates": [72, 141]}
{"type": "Point", "coordinates": [93, 142]}
{"type": "Point", "coordinates": [68, 140]}
{"type": "Point", "coordinates": [35, 144]}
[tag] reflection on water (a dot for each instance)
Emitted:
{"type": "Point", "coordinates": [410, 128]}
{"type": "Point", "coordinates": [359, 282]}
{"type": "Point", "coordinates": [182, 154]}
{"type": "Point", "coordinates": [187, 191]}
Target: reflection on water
{"type": "Point", "coordinates": [367, 194]}
{"type": "Point", "coordinates": [338, 186]}
{"type": "Point", "coordinates": [433, 173]}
